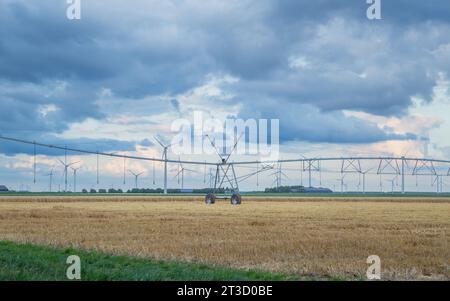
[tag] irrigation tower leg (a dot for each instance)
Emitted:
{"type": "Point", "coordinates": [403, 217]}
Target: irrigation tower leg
{"type": "Point", "coordinates": [437, 184]}
{"type": "Point", "coordinates": [309, 173]}
{"type": "Point", "coordinates": [216, 179]}
{"type": "Point", "coordinates": [65, 170]}
{"type": "Point", "coordinates": [403, 175]}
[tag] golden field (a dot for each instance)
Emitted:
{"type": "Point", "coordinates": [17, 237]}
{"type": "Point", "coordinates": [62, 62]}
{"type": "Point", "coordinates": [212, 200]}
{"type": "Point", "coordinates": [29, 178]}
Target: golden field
{"type": "Point", "coordinates": [318, 237]}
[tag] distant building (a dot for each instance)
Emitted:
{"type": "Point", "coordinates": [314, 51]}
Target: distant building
{"type": "Point", "coordinates": [3, 188]}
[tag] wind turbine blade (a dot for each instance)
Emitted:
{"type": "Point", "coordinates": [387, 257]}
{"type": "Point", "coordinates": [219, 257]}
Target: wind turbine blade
{"type": "Point", "coordinates": [177, 174]}
{"type": "Point", "coordinates": [435, 180]}
{"type": "Point", "coordinates": [159, 142]}
{"type": "Point", "coordinates": [284, 175]}
{"type": "Point", "coordinates": [62, 162]}
{"type": "Point", "coordinates": [73, 163]}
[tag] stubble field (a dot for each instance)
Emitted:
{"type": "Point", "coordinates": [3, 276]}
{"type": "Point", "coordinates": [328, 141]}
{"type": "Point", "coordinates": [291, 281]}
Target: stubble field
{"type": "Point", "coordinates": [318, 237]}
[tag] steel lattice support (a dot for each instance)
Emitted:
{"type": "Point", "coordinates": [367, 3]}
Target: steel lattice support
{"type": "Point", "coordinates": [424, 168]}
{"type": "Point", "coordinates": [388, 167]}
{"type": "Point", "coordinates": [225, 173]}
{"type": "Point", "coordinates": [351, 166]}
{"type": "Point", "coordinates": [310, 166]}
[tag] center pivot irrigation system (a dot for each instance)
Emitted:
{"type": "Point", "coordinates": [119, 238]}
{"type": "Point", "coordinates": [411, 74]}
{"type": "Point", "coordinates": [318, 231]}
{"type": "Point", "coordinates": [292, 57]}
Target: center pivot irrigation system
{"type": "Point", "coordinates": [223, 172]}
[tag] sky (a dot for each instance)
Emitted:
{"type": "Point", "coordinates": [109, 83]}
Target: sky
{"type": "Point", "coordinates": [339, 83]}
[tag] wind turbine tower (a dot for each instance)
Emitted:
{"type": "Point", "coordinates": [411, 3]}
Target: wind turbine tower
{"type": "Point", "coordinates": [75, 178]}
{"type": "Point", "coordinates": [165, 150]}
{"type": "Point", "coordinates": [50, 174]}
{"type": "Point", "coordinates": [136, 176]}
{"type": "Point", "coordinates": [181, 171]}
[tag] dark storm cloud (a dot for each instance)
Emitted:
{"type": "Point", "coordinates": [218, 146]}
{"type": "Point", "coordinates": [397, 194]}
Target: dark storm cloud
{"type": "Point", "coordinates": [38, 43]}
{"type": "Point", "coordinates": [23, 106]}
{"type": "Point", "coordinates": [11, 148]}
{"type": "Point", "coordinates": [403, 12]}
{"type": "Point", "coordinates": [320, 56]}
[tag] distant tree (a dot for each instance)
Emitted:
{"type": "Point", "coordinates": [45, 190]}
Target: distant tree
{"type": "Point", "coordinates": [102, 191]}
{"type": "Point", "coordinates": [285, 189]}
{"type": "Point", "coordinates": [84, 191]}
{"type": "Point", "coordinates": [93, 190]}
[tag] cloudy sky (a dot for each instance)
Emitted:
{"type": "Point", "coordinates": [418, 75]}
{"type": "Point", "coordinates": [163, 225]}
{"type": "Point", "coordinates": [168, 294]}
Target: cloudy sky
{"type": "Point", "coordinates": [339, 83]}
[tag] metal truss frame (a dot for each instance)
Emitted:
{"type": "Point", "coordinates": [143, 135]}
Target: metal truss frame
{"type": "Point", "coordinates": [386, 164]}
{"type": "Point", "coordinates": [424, 168]}
{"type": "Point", "coordinates": [351, 166]}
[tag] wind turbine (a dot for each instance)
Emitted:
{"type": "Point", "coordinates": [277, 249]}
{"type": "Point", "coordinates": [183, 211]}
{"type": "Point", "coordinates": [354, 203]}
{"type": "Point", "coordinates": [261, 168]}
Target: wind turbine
{"type": "Point", "coordinates": [66, 166]}
{"type": "Point", "coordinates": [279, 174]}
{"type": "Point", "coordinates": [136, 176]}
{"type": "Point", "coordinates": [165, 148]}
{"type": "Point", "coordinates": [363, 173]}
{"type": "Point", "coordinates": [181, 171]}
{"type": "Point", "coordinates": [75, 177]}
{"type": "Point", "coordinates": [50, 174]}
{"type": "Point", "coordinates": [438, 182]}
{"type": "Point", "coordinates": [211, 178]}
{"type": "Point", "coordinates": [341, 180]}
{"type": "Point", "coordinates": [392, 181]}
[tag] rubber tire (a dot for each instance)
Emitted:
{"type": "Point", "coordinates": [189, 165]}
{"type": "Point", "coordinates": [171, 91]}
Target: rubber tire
{"type": "Point", "coordinates": [210, 199]}
{"type": "Point", "coordinates": [236, 199]}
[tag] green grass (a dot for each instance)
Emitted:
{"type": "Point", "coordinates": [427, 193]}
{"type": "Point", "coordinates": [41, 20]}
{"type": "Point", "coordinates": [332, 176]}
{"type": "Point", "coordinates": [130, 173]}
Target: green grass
{"type": "Point", "coordinates": [25, 262]}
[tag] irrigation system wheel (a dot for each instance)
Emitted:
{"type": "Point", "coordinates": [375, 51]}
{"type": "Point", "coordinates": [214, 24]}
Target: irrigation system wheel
{"type": "Point", "coordinates": [210, 199]}
{"type": "Point", "coordinates": [236, 199]}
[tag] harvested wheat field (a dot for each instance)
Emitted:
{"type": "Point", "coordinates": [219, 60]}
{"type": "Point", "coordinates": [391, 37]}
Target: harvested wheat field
{"type": "Point", "coordinates": [314, 237]}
